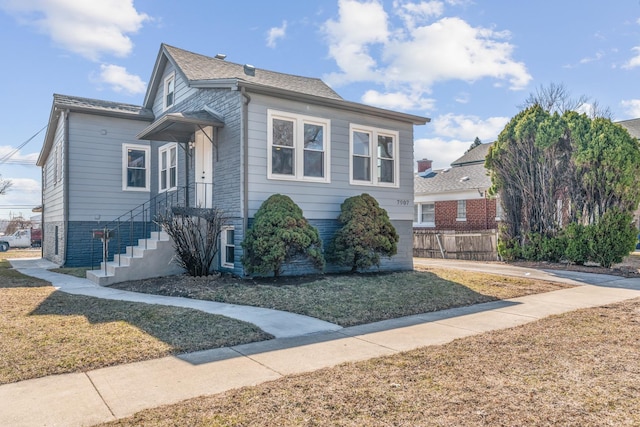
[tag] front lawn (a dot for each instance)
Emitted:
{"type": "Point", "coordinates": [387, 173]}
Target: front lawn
{"type": "Point", "coordinates": [351, 299]}
{"type": "Point", "coordinates": [45, 332]}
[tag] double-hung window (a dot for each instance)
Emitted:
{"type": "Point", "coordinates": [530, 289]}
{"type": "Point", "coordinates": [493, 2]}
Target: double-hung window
{"type": "Point", "coordinates": [298, 147]}
{"type": "Point", "coordinates": [169, 91]}
{"type": "Point", "coordinates": [168, 167]}
{"type": "Point", "coordinates": [428, 217]}
{"type": "Point", "coordinates": [135, 167]}
{"type": "Point", "coordinates": [228, 247]}
{"type": "Point", "coordinates": [374, 156]}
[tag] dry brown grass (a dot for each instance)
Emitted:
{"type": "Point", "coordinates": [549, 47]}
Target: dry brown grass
{"type": "Point", "coordinates": [578, 369]}
{"type": "Point", "coordinates": [351, 299]}
{"type": "Point", "coordinates": [45, 332]}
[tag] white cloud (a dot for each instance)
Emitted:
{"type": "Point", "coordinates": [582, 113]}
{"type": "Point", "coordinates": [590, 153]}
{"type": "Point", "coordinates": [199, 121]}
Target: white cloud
{"type": "Point", "coordinates": [17, 156]}
{"type": "Point", "coordinates": [441, 151]}
{"type": "Point", "coordinates": [21, 197]}
{"type": "Point", "coordinates": [397, 100]}
{"type": "Point", "coordinates": [635, 61]}
{"type": "Point", "coordinates": [419, 54]}
{"type": "Point", "coordinates": [632, 107]}
{"type": "Point", "coordinates": [275, 34]}
{"type": "Point", "coordinates": [466, 128]}
{"type": "Point", "coordinates": [88, 28]}
{"type": "Point", "coordinates": [418, 13]}
{"type": "Point", "coordinates": [360, 25]}
{"type": "Point", "coordinates": [120, 80]}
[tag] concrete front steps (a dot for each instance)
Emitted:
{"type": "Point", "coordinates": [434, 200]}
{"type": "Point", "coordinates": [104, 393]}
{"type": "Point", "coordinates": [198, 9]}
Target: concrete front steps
{"type": "Point", "coordinates": [153, 257]}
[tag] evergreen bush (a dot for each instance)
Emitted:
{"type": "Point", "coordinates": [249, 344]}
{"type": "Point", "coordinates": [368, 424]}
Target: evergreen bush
{"type": "Point", "coordinates": [280, 234]}
{"type": "Point", "coordinates": [365, 236]}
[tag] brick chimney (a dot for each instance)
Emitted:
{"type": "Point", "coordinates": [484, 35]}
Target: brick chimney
{"type": "Point", "coordinates": [424, 165]}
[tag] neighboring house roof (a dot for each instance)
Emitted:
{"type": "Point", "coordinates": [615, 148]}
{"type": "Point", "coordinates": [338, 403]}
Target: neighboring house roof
{"type": "Point", "coordinates": [460, 178]}
{"type": "Point", "coordinates": [89, 106]}
{"type": "Point", "coordinates": [475, 155]}
{"type": "Point", "coordinates": [466, 173]}
{"type": "Point", "coordinates": [633, 126]}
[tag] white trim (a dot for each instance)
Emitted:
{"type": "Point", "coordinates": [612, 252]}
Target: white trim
{"type": "Point", "coordinates": [125, 166]}
{"type": "Point", "coordinates": [373, 156]}
{"type": "Point", "coordinates": [419, 222]}
{"type": "Point", "coordinates": [299, 121]}
{"type": "Point", "coordinates": [170, 78]}
{"type": "Point", "coordinates": [223, 247]}
{"type": "Point", "coordinates": [167, 149]}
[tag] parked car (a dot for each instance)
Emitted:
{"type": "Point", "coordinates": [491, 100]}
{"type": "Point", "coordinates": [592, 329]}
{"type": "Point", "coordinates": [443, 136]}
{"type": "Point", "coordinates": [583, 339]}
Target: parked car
{"type": "Point", "coordinates": [25, 238]}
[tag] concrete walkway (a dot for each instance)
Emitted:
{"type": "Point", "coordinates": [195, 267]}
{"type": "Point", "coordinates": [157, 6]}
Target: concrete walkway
{"type": "Point", "coordinates": [280, 324]}
{"type": "Point", "coordinates": [84, 399]}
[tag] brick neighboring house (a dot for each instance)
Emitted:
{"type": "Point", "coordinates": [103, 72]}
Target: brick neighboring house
{"type": "Point", "coordinates": [455, 198]}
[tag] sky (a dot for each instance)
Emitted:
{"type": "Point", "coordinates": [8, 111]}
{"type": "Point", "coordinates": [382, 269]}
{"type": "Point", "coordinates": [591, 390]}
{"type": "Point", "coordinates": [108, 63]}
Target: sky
{"type": "Point", "coordinates": [468, 65]}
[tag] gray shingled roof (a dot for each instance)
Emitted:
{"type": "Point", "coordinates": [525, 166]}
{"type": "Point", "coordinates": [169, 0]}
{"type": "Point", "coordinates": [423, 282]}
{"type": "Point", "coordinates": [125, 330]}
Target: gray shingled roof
{"type": "Point", "coordinates": [76, 103]}
{"type": "Point", "coordinates": [633, 126]}
{"type": "Point", "coordinates": [446, 180]}
{"type": "Point", "coordinates": [476, 155]}
{"type": "Point", "coordinates": [198, 67]}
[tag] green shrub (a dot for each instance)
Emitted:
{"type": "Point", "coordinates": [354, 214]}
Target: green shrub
{"type": "Point", "coordinates": [554, 248]}
{"type": "Point", "coordinates": [613, 237]}
{"type": "Point", "coordinates": [578, 243]}
{"type": "Point", "coordinates": [280, 234]}
{"type": "Point", "coordinates": [366, 234]}
{"type": "Point", "coordinates": [532, 248]}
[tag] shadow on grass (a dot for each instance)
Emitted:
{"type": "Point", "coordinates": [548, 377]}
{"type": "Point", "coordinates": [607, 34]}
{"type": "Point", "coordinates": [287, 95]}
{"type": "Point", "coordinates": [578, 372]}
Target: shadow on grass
{"type": "Point", "coordinates": [183, 329]}
{"type": "Point", "coordinates": [10, 278]}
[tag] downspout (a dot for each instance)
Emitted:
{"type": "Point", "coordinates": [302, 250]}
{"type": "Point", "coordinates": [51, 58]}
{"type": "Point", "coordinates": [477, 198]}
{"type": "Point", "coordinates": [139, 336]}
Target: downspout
{"type": "Point", "coordinates": [245, 163]}
{"type": "Point", "coordinates": [65, 177]}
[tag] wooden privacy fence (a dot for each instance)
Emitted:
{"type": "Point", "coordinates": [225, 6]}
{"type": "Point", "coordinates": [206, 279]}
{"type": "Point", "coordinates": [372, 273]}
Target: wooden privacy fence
{"type": "Point", "coordinates": [469, 245]}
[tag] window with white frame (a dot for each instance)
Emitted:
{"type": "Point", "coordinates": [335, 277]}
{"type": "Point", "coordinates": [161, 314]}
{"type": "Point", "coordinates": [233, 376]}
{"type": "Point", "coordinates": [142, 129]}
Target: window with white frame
{"type": "Point", "coordinates": [299, 147]}
{"type": "Point", "coordinates": [227, 247]}
{"type": "Point", "coordinates": [428, 214]}
{"type": "Point", "coordinates": [135, 167]}
{"type": "Point", "coordinates": [374, 156]}
{"type": "Point", "coordinates": [168, 167]}
{"type": "Point", "coordinates": [462, 210]}
{"type": "Point", "coordinates": [169, 91]}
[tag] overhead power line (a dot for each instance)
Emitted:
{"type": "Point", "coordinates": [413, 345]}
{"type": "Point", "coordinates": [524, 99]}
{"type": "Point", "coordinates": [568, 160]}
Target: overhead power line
{"type": "Point", "coordinates": [15, 151]}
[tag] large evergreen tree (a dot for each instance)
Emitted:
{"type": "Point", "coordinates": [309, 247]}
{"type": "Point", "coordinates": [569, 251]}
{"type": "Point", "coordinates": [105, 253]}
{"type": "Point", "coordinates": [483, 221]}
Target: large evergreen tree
{"type": "Point", "coordinates": [553, 169]}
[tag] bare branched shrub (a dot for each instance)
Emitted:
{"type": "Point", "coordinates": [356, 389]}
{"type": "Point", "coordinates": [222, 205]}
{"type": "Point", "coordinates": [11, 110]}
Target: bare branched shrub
{"type": "Point", "coordinates": [195, 236]}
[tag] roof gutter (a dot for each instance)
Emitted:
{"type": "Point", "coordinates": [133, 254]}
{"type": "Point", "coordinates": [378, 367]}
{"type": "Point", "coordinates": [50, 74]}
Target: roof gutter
{"type": "Point", "coordinates": [331, 102]}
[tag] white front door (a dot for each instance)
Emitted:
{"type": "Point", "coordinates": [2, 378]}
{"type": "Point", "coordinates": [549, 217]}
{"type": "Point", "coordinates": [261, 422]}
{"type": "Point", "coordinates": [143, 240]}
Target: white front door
{"type": "Point", "coordinates": [203, 153]}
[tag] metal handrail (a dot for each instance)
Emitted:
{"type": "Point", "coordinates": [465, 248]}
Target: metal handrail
{"type": "Point", "coordinates": [144, 214]}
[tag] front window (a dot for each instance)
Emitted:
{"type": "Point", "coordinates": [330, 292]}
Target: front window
{"type": "Point", "coordinates": [228, 247]}
{"type": "Point", "coordinates": [374, 156]}
{"type": "Point", "coordinates": [299, 147]}
{"type": "Point", "coordinates": [462, 210]}
{"type": "Point", "coordinates": [135, 171]}
{"type": "Point", "coordinates": [169, 91]}
{"type": "Point", "coordinates": [168, 167]}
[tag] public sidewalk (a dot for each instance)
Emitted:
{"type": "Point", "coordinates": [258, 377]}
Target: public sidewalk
{"type": "Point", "coordinates": [84, 399]}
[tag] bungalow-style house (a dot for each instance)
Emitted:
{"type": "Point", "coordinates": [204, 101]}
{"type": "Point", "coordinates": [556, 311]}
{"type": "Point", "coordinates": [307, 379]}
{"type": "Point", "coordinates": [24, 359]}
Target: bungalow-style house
{"type": "Point", "coordinates": [214, 134]}
{"type": "Point", "coordinates": [455, 198]}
